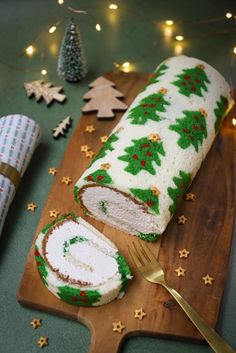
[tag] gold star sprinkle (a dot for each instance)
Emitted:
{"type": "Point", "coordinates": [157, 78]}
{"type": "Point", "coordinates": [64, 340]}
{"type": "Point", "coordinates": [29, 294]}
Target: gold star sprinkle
{"type": "Point", "coordinates": [52, 171]}
{"type": "Point", "coordinates": [203, 112]}
{"type": "Point", "coordinates": [182, 219]}
{"type": "Point", "coordinates": [163, 90]}
{"type": "Point", "coordinates": [53, 213]}
{"type": "Point", "coordinates": [90, 129]}
{"type": "Point", "coordinates": [105, 166]}
{"type": "Point", "coordinates": [139, 314]}
{"type": "Point", "coordinates": [208, 279]}
{"type": "Point", "coordinates": [180, 271]}
{"type": "Point", "coordinates": [154, 137]}
{"type": "Point", "coordinates": [190, 197]}
{"type": "Point", "coordinates": [104, 138]}
{"type": "Point", "coordinates": [84, 148]}
{"type": "Point", "coordinates": [155, 191]}
{"type": "Point", "coordinates": [36, 323]}
{"type": "Point", "coordinates": [31, 207]}
{"type": "Point", "coordinates": [118, 326]}
{"type": "Point", "coordinates": [43, 341]}
{"type": "Point", "coordinates": [183, 253]}
{"type": "Point", "coordinates": [90, 154]}
{"type": "Point", "coordinates": [66, 180]}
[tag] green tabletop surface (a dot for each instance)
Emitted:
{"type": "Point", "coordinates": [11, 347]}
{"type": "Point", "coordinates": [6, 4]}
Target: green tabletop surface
{"type": "Point", "coordinates": [135, 32]}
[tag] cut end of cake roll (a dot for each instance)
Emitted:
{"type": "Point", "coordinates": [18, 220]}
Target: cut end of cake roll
{"type": "Point", "coordinates": [78, 264]}
{"type": "Point", "coordinates": [120, 210]}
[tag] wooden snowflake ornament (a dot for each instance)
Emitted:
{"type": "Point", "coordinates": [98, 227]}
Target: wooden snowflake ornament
{"type": "Point", "coordinates": [44, 90]}
{"type": "Point", "coordinates": [62, 128]}
{"type": "Point", "coordinates": [103, 99]}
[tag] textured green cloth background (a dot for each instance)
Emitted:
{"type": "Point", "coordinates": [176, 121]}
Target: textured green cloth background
{"type": "Point", "coordinates": [127, 35]}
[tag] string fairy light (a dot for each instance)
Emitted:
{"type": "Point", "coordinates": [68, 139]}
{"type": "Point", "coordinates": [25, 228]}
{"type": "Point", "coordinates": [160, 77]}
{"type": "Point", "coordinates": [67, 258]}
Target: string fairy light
{"type": "Point", "coordinates": [234, 122]}
{"type": "Point", "coordinates": [234, 50]}
{"type": "Point", "coordinates": [98, 27]}
{"type": "Point", "coordinates": [44, 72]}
{"type": "Point", "coordinates": [60, 2]}
{"type": "Point", "coordinates": [113, 7]}
{"type": "Point", "coordinates": [228, 15]}
{"type": "Point", "coordinates": [179, 38]}
{"type": "Point", "coordinates": [169, 22]}
{"type": "Point", "coordinates": [52, 29]}
{"type": "Point", "coordinates": [30, 50]}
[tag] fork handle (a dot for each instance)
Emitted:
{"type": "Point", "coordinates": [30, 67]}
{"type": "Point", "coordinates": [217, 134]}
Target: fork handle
{"type": "Point", "coordinates": [217, 343]}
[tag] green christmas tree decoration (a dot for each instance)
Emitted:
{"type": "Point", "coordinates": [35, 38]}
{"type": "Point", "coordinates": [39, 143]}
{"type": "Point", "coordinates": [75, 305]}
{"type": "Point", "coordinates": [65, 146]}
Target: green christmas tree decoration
{"type": "Point", "coordinates": [78, 297]}
{"type": "Point", "coordinates": [107, 146]}
{"type": "Point", "coordinates": [71, 63]}
{"type": "Point", "coordinates": [191, 128]}
{"type": "Point", "coordinates": [148, 197]}
{"type": "Point", "coordinates": [148, 109]}
{"type": "Point", "coordinates": [142, 154]}
{"type": "Point", "coordinates": [41, 265]}
{"type": "Point", "coordinates": [124, 271]}
{"type": "Point", "coordinates": [154, 78]}
{"type": "Point", "coordinates": [220, 110]}
{"type": "Point", "coordinates": [182, 182]}
{"type": "Point", "coordinates": [100, 176]}
{"type": "Point", "coordinates": [192, 81]}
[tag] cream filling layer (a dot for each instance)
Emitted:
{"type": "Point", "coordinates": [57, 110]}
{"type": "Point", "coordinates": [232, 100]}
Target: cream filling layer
{"type": "Point", "coordinates": [118, 210]}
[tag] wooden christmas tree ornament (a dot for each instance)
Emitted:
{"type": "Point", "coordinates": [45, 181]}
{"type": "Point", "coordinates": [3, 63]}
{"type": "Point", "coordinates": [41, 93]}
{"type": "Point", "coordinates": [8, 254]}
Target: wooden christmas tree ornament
{"type": "Point", "coordinates": [44, 90]}
{"type": "Point", "coordinates": [103, 99]}
{"type": "Point", "coordinates": [61, 128]}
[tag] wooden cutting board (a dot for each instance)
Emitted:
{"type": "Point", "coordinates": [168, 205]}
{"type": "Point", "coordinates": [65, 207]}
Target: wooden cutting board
{"type": "Point", "coordinates": [207, 235]}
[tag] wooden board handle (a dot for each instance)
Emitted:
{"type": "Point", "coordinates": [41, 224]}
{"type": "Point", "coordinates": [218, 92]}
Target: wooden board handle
{"type": "Point", "coordinates": [104, 342]}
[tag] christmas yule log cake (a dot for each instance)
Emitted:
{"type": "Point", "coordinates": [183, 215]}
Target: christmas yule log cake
{"type": "Point", "coordinates": [151, 157]}
{"type": "Point", "coordinates": [78, 264]}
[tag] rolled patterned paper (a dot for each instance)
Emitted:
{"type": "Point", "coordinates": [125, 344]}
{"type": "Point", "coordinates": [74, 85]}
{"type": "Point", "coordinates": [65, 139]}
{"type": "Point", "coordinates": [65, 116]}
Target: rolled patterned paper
{"type": "Point", "coordinates": [151, 157]}
{"type": "Point", "coordinates": [78, 264]}
{"type": "Point", "coordinates": [19, 136]}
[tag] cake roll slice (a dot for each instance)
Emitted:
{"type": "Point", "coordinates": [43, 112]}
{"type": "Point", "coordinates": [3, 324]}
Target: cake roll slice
{"type": "Point", "coordinates": [78, 264]}
{"type": "Point", "coordinates": [137, 180]}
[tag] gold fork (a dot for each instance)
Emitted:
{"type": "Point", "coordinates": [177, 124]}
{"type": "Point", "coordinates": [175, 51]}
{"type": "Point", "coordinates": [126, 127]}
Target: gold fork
{"type": "Point", "coordinates": [150, 268]}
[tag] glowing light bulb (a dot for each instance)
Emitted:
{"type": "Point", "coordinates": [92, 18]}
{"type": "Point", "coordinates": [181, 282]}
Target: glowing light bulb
{"type": "Point", "coordinates": [60, 2]}
{"type": "Point", "coordinates": [234, 50]}
{"type": "Point", "coordinates": [98, 27]}
{"type": "Point", "coordinates": [234, 121]}
{"type": "Point", "coordinates": [169, 22]}
{"type": "Point", "coordinates": [44, 72]}
{"type": "Point", "coordinates": [113, 7]}
{"type": "Point", "coordinates": [125, 66]}
{"type": "Point", "coordinates": [179, 38]}
{"type": "Point", "coordinates": [30, 50]}
{"type": "Point", "coordinates": [228, 15]}
{"type": "Point", "coordinates": [52, 29]}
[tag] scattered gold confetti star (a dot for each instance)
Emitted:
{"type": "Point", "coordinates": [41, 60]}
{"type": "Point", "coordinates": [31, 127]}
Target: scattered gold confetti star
{"type": "Point", "coordinates": [43, 341]}
{"type": "Point", "coordinates": [66, 180]}
{"type": "Point", "coordinates": [139, 314]}
{"type": "Point", "coordinates": [203, 112]}
{"type": "Point", "coordinates": [183, 253]}
{"type": "Point", "coordinates": [190, 197]}
{"type": "Point", "coordinates": [104, 138]}
{"type": "Point", "coordinates": [154, 137]}
{"type": "Point", "coordinates": [180, 271]}
{"type": "Point", "coordinates": [208, 279]}
{"type": "Point", "coordinates": [155, 191]}
{"type": "Point", "coordinates": [118, 326]}
{"type": "Point", "coordinates": [35, 323]}
{"type": "Point", "coordinates": [182, 219]}
{"type": "Point", "coordinates": [84, 148]}
{"type": "Point", "coordinates": [53, 213]}
{"type": "Point", "coordinates": [105, 166]}
{"type": "Point", "coordinates": [90, 154]}
{"type": "Point", "coordinates": [163, 90]}
{"type": "Point", "coordinates": [31, 207]}
{"type": "Point", "coordinates": [90, 129]}
{"type": "Point", "coordinates": [52, 171]}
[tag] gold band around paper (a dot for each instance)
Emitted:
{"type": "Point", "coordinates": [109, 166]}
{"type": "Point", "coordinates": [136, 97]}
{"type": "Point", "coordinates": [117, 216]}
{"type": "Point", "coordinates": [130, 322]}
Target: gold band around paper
{"type": "Point", "coordinates": [11, 173]}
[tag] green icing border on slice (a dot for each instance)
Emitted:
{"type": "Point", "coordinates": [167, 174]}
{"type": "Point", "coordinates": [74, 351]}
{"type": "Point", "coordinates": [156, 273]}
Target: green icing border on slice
{"type": "Point", "coordinates": [124, 271]}
{"type": "Point", "coordinates": [149, 237]}
{"type": "Point", "coordinates": [41, 266]}
{"type": "Point", "coordinates": [76, 191]}
{"type": "Point", "coordinates": [78, 297]}
{"type": "Point", "coordinates": [61, 218]}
